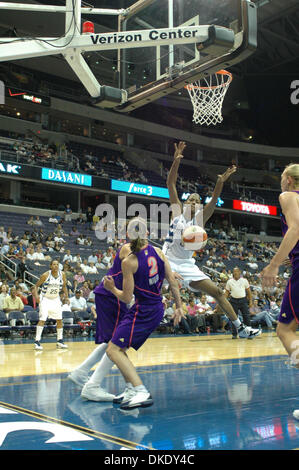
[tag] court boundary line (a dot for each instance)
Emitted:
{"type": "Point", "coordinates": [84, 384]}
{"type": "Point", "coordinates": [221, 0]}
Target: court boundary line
{"type": "Point", "coordinates": [96, 434]}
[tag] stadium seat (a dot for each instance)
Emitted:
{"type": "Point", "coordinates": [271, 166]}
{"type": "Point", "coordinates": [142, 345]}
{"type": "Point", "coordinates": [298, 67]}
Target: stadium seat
{"type": "Point", "coordinates": [69, 323]}
{"type": "Point", "coordinates": [5, 328]}
{"type": "Point", "coordinates": [16, 318]}
{"type": "Point", "coordinates": [84, 320]}
{"type": "Point", "coordinates": [32, 317]}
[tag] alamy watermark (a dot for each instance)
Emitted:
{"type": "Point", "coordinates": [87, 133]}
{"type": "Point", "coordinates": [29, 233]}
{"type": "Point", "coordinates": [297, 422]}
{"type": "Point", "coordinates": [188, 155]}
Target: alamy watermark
{"type": "Point", "coordinates": [2, 92]}
{"type": "Point", "coordinates": [295, 93]}
{"type": "Point", "coordinates": [152, 222]}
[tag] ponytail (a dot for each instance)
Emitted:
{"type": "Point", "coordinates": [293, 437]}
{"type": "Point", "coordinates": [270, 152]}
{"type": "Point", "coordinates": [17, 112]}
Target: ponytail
{"type": "Point", "coordinates": [137, 233]}
{"type": "Point", "coordinates": [137, 244]}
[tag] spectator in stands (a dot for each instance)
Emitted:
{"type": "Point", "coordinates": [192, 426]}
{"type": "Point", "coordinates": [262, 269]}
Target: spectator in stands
{"type": "Point", "coordinates": [92, 268]}
{"type": "Point", "coordinates": [102, 173]}
{"type": "Point", "coordinates": [93, 258]}
{"type": "Point", "coordinates": [89, 215]}
{"type": "Point", "coordinates": [219, 320]}
{"type": "Point", "coordinates": [168, 312]}
{"type": "Point", "coordinates": [224, 275]}
{"type": "Point", "coordinates": [183, 325]}
{"type": "Point", "coordinates": [39, 255]}
{"type": "Point", "coordinates": [107, 260]}
{"type": "Point", "coordinates": [5, 248]}
{"type": "Point", "coordinates": [89, 168]}
{"type": "Point", "coordinates": [50, 243]}
{"type": "Point", "coordinates": [31, 300]}
{"type": "Point", "coordinates": [59, 231]}
{"type": "Point", "coordinates": [77, 259]}
{"type": "Point", "coordinates": [257, 316]}
{"type": "Point", "coordinates": [30, 221]}
{"type": "Point", "coordinates": [78, 303]}
{"type": "Point", "coordinates": [194, 319]}
{"type": "Point", "coordinates": [68, 256]}
{"type": "Point", "coordinates": [79, 278]}
{"type": "Point", "coordinates": [37, 221]}
{"type": "Point", "coordinates": [88, 242]}
{"type": "Point", "coordinates": [74, 232]}
{"type": "Point", "coordinates": [25, 240]}
{"type": "Point", "coordinates": [3, 235]}
{"type": "Point", "coordinates": [21, 295]}
{"type": "Point", "coordinates": [274, 307]}
{"type": "Point", "coordinates": [81, 239]}
{"type": "Point", "coordinates": [12, 303]}
{"type": "Point", "coordinates": [85, 290]}
{"type": "Point", "coordinates": [3, 295]}
{"type": "Point", "coordinates": [22, 267]}
{"type": "Point", "coordinates": [84, 266]}
{"type": "Point", "coordinates": [205, 308]}
{"type": "Point", "coordinates": [80, 219]}
{"type": "Point", "coordinates": [30, 254]}
{"type": "Point", "coordinates": [58, 248]}
{"type": "Point", "coordinates": [68, 270]}
{"type": "Point", "coordinates": [68, 213]}
{"type": "Point", "coordinates": [11, 253]}
{"type": "Point", "coordinates": [53, 219]}
{"type": "Point", "coordinates": [58, 239]}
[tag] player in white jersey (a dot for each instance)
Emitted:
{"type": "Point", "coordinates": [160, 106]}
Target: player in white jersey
{"type": "Point", "coordinates": [52, 283]}
{"type": "Point", "coordinates": [181, 260]}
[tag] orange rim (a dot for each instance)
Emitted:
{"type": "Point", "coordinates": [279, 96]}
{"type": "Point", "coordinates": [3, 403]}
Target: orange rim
{"type": "Point", "coordinates": [191, 86]}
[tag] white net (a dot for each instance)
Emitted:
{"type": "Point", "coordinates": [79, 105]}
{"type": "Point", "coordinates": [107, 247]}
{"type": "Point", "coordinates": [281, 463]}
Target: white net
{"type": "Point", "coordinates": [207, 95]}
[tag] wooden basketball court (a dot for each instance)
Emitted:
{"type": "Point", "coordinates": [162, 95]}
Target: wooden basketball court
{"type": "Point", "coordinates": [210, 392]}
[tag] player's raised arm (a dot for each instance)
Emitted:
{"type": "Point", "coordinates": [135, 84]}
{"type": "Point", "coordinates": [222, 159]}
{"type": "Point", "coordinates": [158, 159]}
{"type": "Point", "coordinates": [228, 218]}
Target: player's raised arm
{"type": "Point", "coordinates": [172, 179]}
{"type": "Point", "coordinates": [210, 207]}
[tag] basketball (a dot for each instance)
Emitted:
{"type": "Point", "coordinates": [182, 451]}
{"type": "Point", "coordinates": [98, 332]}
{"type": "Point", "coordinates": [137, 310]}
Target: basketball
{"type": "Point", "coordinates": [194, 238]}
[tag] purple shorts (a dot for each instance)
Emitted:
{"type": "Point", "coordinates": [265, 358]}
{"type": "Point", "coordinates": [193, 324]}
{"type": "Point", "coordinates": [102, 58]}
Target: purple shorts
{"type": "Point", "coordinates": [110, 312]}
{"type": "Point", "coordinates": [289, 309]}
{"type": "Point", "coordinates": [137, 325]}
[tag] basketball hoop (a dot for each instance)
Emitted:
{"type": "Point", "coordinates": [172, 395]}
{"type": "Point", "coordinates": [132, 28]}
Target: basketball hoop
{"type": "Point", "coordinates": [207, 95]}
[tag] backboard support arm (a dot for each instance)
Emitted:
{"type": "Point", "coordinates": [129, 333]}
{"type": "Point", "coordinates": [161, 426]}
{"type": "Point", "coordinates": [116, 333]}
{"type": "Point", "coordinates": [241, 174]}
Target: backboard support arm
{"type": "Point", "coordinates": [217, 40]}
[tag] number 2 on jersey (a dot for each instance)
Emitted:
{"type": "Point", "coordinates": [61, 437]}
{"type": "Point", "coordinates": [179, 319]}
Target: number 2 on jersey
{"type": "Point", "coordinates": [153, 265]}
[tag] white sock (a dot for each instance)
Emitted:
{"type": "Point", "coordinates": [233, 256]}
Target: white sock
{"type": "Point", "coordinates": [38, 335]}
{"type": "Point", "coordinates": [101, 371]}
{"type": "Point", "coordinates": [237, 323]}
{"type": "Point", "coordinates": [129, 385]}
{"type": "Point", "coordinates": [93, 358]}
{"type": "Point", "coordinates": [59, 333]}
{"type": "Point", "coordinates": [141, 388]}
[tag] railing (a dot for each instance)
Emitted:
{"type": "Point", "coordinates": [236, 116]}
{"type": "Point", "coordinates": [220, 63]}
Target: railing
{"type": "Point", "coordinates": [29, 277]}
{"type": "Point", "coordinates": [67, 159]}
{"type": "Point", "coordinates": [9, 264]}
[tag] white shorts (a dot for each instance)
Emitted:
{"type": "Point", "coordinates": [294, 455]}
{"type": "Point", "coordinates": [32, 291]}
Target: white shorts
{"type": "Point", "coordinates": [188, 270]}
{"type": "Point", "coordinates": [50, 308]}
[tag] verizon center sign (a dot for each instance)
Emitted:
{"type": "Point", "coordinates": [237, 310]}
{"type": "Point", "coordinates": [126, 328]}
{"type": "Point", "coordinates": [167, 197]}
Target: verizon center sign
{"type": "Point", "coordinates": [254, 207]}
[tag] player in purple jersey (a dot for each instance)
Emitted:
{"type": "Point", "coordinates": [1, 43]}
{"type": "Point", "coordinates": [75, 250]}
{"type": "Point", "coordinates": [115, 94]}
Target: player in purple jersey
{"type": "Point", "coordinates": [144, 271]}
{"type": "Point", "coordinates": [289, 312]}
{"type": "Point", "coordinates": [110, 311]}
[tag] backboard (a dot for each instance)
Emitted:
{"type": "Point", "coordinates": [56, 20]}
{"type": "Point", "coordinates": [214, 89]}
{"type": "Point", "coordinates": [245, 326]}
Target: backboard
{"type": "Point", "coordinates": [143, 69]}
